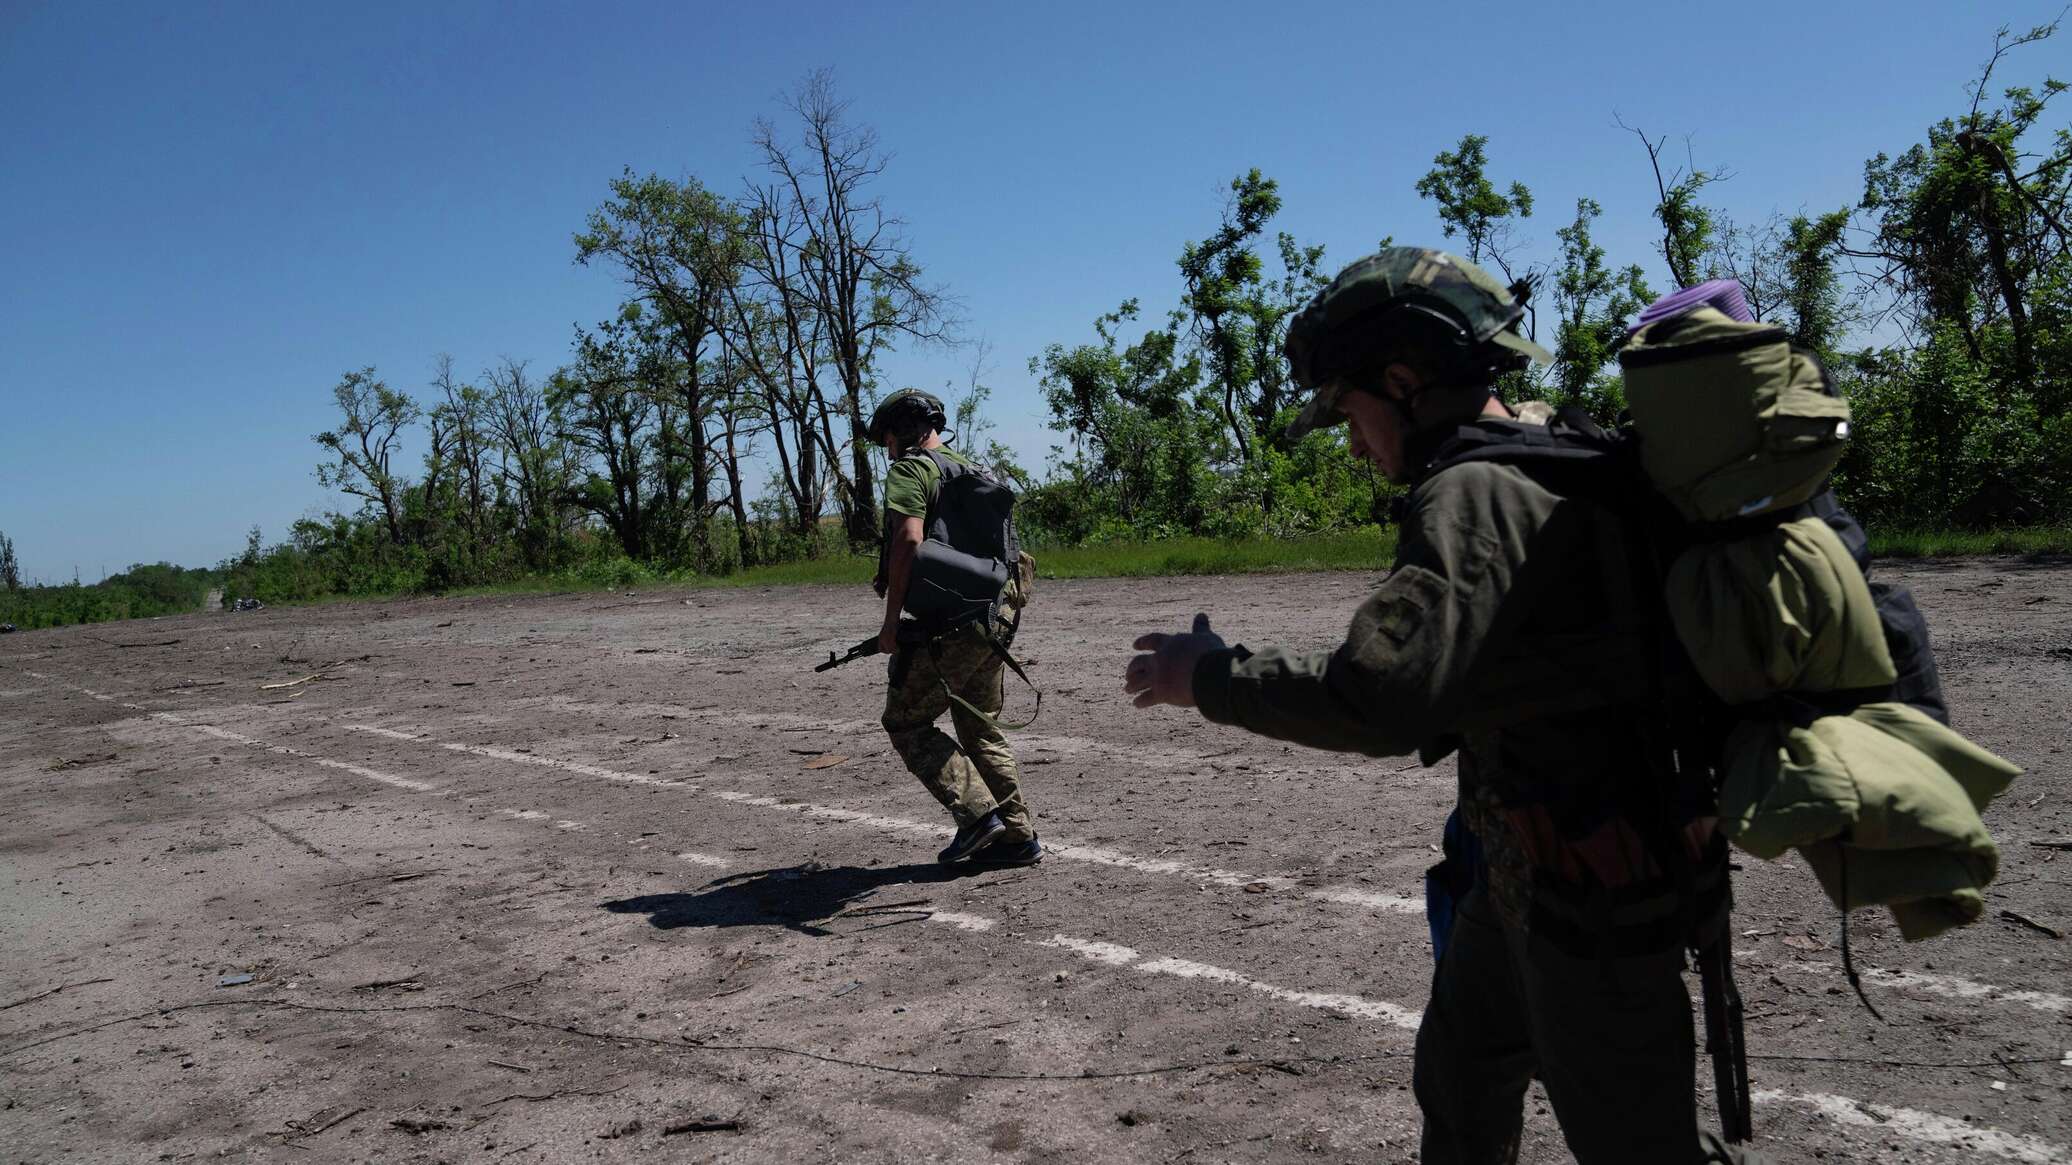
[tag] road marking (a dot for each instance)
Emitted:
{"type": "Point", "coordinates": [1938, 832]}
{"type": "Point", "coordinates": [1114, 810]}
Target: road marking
{"type": "Point", "coordinates": [527, 758]}
{"type": "Point", "coordinates": [1110, 953]}
{"type": "Point", "coordinates": [1921, 1126]}
{"type": "Point", "coordinates": [704, 860]}
{"type": "Point", "coordinates": [1942, 985]}
{"type": "Point", "coordinates": [327, 762]}
{"type": "Point", "coordinates": [1117, 955]}
{"type": "Point", "coordinates": [1164, 757]}
{"type": "Point", "coordinates": [961, 921]}
{"type": "Point", "coordinates": [1070, 851]}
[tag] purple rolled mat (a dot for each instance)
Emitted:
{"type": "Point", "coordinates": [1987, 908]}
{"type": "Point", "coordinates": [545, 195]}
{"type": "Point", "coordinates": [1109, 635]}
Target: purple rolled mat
{"type": "Point", "coordinates": [1722, 295]}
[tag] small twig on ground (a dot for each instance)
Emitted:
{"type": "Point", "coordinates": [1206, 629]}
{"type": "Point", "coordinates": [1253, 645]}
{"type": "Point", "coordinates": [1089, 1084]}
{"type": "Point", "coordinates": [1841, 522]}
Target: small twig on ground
{"type": "Point", "coordinates": [293, 683]}
{"type": "Point", "coordinates": [553, 1095]}
{"type": "Point", "coordinates": [2053, 844]}
{"type": "Point", "coordinates": [185, 684]}
{"type": "Point", "coordinates": [984, 1027]}
{"type": "Point", "coordinates": [508, 986]}
{"type": "Point", "coordinates": [703, 1126]}
{"type": "Point", "coordinates": [54, 991]}
{"type": "Point", "coordinates": [2031, 923]}
{"type": "Point", "coordinates": [512, 1067]}
{"type": "Point", "coordinates": [390, 875]}
{"type": "Point", "coordinates": [409, 984]}
{"type": "Point", "coordinates": [155, 643]}
{"type": "Point", "coordinates": [307, 1133]}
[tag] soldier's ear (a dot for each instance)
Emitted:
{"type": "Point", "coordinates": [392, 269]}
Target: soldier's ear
{"type": "Point", "coordinates": [1401, 381]}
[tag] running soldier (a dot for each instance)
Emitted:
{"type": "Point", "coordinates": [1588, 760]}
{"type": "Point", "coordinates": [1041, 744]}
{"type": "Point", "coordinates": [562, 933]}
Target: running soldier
{"type": "Point", "coordinates": [961, 671]}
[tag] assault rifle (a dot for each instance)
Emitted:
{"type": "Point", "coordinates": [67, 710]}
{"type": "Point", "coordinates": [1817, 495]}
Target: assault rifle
{"type": "Point", "coordinates": [910, 635]}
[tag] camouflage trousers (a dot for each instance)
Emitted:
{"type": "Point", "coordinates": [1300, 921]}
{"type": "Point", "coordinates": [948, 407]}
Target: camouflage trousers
{"type": "Point", "coordinates": [975, 773]}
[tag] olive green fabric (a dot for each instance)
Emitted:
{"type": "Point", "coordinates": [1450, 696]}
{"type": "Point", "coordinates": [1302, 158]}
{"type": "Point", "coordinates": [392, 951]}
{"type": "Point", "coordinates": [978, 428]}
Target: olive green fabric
{"type": "Point", "coordinates": [911, 482]}
{"type": "Point", "coordinates": [1885, 790]}
{"type": "Point", "coordinates": [1782, 610]}
{"type": "Point", "coordinates": [1505, 630]}
{"type": "Point", "coordinates": [1733, 420]}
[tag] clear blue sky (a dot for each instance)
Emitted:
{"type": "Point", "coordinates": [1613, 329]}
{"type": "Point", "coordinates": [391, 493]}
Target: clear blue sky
{"type": "Point", "coordinates": [208, 212]}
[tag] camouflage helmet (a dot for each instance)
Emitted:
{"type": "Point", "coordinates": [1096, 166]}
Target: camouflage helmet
{"type": "Point", "coordinates": [1348, 326]}
{"type": "Point", "coordinates": [897, 411]}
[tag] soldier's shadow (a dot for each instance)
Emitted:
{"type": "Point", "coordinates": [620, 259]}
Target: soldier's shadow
{"type": "Point", "coordinates": [796, 897]}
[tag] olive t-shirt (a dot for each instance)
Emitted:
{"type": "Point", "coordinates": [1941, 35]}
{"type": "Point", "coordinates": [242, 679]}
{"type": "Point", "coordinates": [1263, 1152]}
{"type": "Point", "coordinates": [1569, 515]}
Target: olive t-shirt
{"type": "Point", "coordinates": [911, 482]}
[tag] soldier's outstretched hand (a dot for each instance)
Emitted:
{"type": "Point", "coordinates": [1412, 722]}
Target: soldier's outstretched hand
{"type": "Point", "coordinates": [1165, 674]}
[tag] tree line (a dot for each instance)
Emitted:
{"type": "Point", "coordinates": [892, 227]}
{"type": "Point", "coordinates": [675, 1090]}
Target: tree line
{"type": "Point", "coordinates": [713, 421]}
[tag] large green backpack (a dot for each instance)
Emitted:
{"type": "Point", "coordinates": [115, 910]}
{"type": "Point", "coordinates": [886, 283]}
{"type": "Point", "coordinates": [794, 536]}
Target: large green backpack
{"type": "Point", "coordinates": [1737, 430]}
{"type": "Point", "coordinates": [1734, 419]}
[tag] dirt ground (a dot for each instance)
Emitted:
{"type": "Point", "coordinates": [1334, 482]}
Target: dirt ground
{"type": "Point", "coordinates": [603, 876]}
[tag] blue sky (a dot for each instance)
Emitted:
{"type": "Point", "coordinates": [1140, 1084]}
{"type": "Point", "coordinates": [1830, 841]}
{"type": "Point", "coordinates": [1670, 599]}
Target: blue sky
{"type": "Point", "coordinates": [209, 212]}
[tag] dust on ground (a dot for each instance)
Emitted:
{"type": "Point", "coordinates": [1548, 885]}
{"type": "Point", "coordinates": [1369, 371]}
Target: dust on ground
{"type": "Point", "coordinates": [591, 876]}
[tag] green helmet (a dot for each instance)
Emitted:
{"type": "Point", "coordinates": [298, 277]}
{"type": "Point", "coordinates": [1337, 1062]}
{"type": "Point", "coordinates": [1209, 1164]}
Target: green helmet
{"type": "Point", "coordinates": [903, 410]}
{"type": "Point", "coordinates": [1352, 322]}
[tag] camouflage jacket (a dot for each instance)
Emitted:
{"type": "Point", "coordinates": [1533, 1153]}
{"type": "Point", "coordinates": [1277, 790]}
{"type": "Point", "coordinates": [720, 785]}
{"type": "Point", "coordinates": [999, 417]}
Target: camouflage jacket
{"type": "Point", "coordinates": [1510, 630]}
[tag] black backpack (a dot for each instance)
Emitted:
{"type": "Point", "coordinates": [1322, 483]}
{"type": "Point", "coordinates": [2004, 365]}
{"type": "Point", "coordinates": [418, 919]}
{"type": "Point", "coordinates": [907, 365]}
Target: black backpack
{"type": "Point", "coordinates": [969, 553]}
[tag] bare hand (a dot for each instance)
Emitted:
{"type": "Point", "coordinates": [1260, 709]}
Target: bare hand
{"type": "Point", "coordinates": [1166, 674]}
{"type": "Point", "coordinates": [888, 638]}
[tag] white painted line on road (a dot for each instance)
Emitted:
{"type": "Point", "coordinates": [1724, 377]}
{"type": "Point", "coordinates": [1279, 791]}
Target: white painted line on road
{"type": "Point", "coordinates": [1112, 954]}
{"type": "Point", "coordinates": [1356, 1005]}
{"type": "Point", "coordinates": [704, 860]}
{"type": "Point", "coordinates": [1369, 898]}
{"type": "Point", "coordinates": [1098, 855]}
{"type": "Point", "coordinates": [960, 921]}
{"type": "Point", "coordinates": [12, 693]}
{"type": "Point", "coordinates": [1942, 985]}
{"type": "Point", "coordinates": [1922, 1126]}
{"type": "Point", "coordinates": [527, 758]}
{"type": "Point", "coordinates": [327, 762]}
{"type": "Point", "coordinates": [1117, 955]}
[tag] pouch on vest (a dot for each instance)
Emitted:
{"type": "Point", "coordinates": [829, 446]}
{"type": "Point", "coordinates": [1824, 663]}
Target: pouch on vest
{"type": "Point", "coordinates": [948, 588]}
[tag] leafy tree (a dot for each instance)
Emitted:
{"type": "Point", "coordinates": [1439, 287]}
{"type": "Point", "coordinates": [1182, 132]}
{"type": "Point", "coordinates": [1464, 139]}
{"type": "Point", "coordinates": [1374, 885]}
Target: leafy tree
{"type": "Point", "coordinates": [1238, 316]}
{"type": "Point", "coordinates": [1687, 224]}
{"type": "Point", "coordinates": [10, 570]}
{"type": "Point", "coordinates": [1594, 303]}
{"type": "Point", "coordinates": [365, 444]}
{"type": "Point", "coordinates": [1470, 205]}
{"type": "Point", "coordinates": [679, 247]}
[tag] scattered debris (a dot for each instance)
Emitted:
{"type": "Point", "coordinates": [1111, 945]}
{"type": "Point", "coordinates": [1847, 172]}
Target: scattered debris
{"type": "Point", "coordinates": [322, 1119]}
{"type": "Point", "coordinates": [616, 1131]}
{"type": "Point", "coordinates": [2031, 923]}
{"type": "Point", "coordinates": [185, 684]}
{"type": "Point", "coordinates": [417, 1128]}
{"type": "Point", "coordinates": [1257, 887]}
{"type": "Point", "coordinates": [385, 984]}
{"type": "Point", "coordinates": [248, 605]}
{"type": "Point", "coordinates": [237, 980]}
{"type": "Point", "coordinates": [53, 991]}
{"type": "Point", "coordinates": [2053, 844]}
{"type": "Point", "coordinates": [512, 1067]}
{"type": "Point", "coordinates": [852, 985]}
{"type": "Point", "coordinates": [8, 628]}
{"type": "Point", "coordinates": [826, 761]}
{"type": "Point", "coordinates": [61, 763]}
{"type": "Point", "coordinates": [708, 1125]}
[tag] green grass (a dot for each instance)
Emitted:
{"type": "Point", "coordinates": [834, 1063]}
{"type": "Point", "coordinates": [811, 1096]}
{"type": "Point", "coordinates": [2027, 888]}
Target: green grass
{"type": "Point", "coordinates": [1964, 543]}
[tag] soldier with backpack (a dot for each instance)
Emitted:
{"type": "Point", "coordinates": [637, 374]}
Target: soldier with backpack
{"type": "Point", "coordinates": [951, 566]}
{"type": "Point", "coordinates": [1518, 630]}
